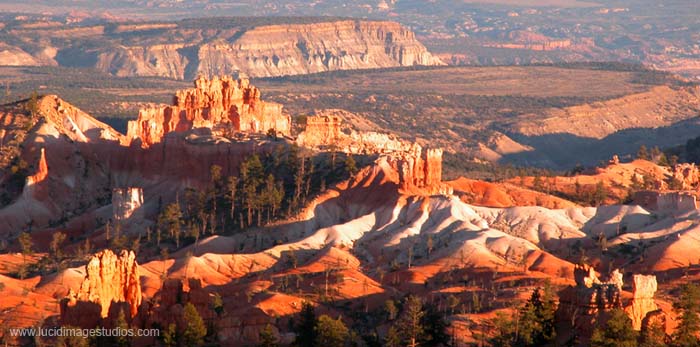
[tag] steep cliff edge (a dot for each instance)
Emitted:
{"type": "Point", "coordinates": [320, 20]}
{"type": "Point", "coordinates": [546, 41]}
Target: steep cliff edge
{"type": "Point", "coordinates": [183, 50]}
{"type": "Point", "coordinates": [221, 104]}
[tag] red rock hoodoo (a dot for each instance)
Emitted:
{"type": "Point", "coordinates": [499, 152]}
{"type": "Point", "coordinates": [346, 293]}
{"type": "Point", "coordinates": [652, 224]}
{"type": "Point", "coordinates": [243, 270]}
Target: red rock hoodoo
{"type": "Point", "coordinates": [109, 279]}
{"type": "Point", "coordinates": [643, 300]}
{"type": "Point", "coordinates": [220, 104]}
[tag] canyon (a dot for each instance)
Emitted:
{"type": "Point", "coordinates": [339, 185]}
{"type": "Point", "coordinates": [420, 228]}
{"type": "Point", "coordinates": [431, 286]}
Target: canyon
{"type": "Point", "coordinates": [186, 49]}
{"type": "Point", "coordinates": [386, 227]}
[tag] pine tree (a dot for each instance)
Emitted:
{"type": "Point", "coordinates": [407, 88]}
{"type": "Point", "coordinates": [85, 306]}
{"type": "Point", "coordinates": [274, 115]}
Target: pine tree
{"type": "Point", "coordinates": [504, 330]}
{"type": "Point", "coordinates": [410, 324]}
{"type": "Point", "coordinates": [231, 188]}
{"type": "Point", "coordinates": [306, 327]}
{"type": "Point", "coordinates": [393, 338]}
{"type": "Point", "coordinates": [56, 240]}
{"type": "Point", "coordinates": [435, 328]}
{"type": "Point", "coordinates": [268, 337]}
{"type": "Point", "coordinates": [688, 307]}
{"type": "Point", "coordinates": [26, 244]}
{"type": "Point", "coordinates": [122, 339]}
{"type": "Point", "coordinates": [617, 332]}
{"type": "Point", "coordinates": [170, 338]}
{"type": "Point", "coordinates": [70, 340]}
{"type": "Point", "coordinates": [331, 332]}
{"type": "Point", "coordinates": [643, 153]}
{"type": "Point", "coordinates": [350, 165]}
{"type": "Point", "coordinates": [170, 219]}
{"type": "Point", "coordinates": [653, 335]}
{"type": "Point", "coordinates": [195, 330]}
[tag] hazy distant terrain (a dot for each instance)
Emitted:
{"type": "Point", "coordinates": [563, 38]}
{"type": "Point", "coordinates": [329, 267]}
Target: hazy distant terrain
{"type": "Point", "coordinates": [663, 35]}
{"type": "Point", "coordinates": [487, 112]}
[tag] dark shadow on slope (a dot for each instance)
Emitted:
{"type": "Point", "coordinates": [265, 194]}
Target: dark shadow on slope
{"type": "Point", "coordinates": [564, 151]}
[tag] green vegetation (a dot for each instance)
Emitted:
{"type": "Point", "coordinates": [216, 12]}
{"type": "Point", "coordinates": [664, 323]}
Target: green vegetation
{"type": "Point", "coordinates": [195, 330]}
{"type": "Point", "coordinates": [688, 307]}
{"type": "Point", "coordinates": [617, 331]}
{"type": "Point", "coordinates": [535, 324]}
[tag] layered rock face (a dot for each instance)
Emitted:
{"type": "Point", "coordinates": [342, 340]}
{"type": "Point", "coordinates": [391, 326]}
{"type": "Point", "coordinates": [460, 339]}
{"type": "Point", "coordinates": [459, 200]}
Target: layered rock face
{"type": "Point", "coordinates": [643, 301]}
{"type": "Point", "coordinates": [41, 173]}
{"type": "Point", "coordinates": [591, 298]}
{"type": "Point", "coordinates": [109, 280]}
{"type": "Point", "coordinates": [73, 122]}
{"type": "Point", "coordinates": [221, 105]}
{"type": "Point", "coordinates": [328, 130]}
{"type": "Point", "coordinates": [417, 167]}
{"type": "Point", "coordinates": [688, 174]}
{"type": "Point", "coordinates": [126, 203]}
{"type": "Point", "coordinates": [271, 50]}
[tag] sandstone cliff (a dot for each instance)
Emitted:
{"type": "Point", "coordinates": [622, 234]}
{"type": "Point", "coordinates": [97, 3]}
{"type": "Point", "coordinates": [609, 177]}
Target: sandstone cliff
{"type": "Point", "coordinates": [224, 104]}
{"type": "Point", "coordinates": [331, 129]}
{"type": "Point", "coordinates": [184, 50]}
{"type": "Point", "coordinates": [127, 202]}
{"type": "Point", "coordinates": [643, 300]}
{"type": "Point", "coordinates": [109, 279]}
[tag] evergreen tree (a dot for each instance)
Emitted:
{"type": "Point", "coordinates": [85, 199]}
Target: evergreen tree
{"type": "Point", "coordinates": [688, 307]}
{"type": "Point", "coordinates": [122, 339]}
{"type": "Point", "coordinates": [72, 341]}
{"type": "Point", "coordinates": [306, 327]}
{"type": "Point", "coordinates": [55, 246]}
{"type": "Point", "coordinates": [643, 153]}
{"type": "Point", "coordinates": [195, 330]}
{"type": "Point", "coordinates": [170, 338]}
{"type": "Point", "coordinates": [252, 175]}
{"type": "Point", "coordinates": [26, 244]}
{"type": "Point", "coordinates": [393, 338]}
{"type": "Point", "coordinates": [350, 165]}
{"type": "Point", "coordinates": [600, 194]}
{"type": "Point", "coordinates": [231, 189]}
{"type": "Point", "coordinates": [330, 332]}
{"type": "Point", "coordinates": [617, 332]}
{"type": "Point", "coordinates": [504, 330]}
{"type": "Point", "coordinates": [268, 337]}
{"type": "Point", "coordinates": [653, 335]}
{"type": "Point", "coordinates": [435, 328]}
{"type": "Point", "coordinates": [410, 323]}
{"type": "Point", "coordinates": [170, 219]}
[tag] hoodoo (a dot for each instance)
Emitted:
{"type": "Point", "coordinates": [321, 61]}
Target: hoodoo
{"type": "Point", "coordinates": [109, 279]}
{"type": "Point", "coordinates": [221, 105]}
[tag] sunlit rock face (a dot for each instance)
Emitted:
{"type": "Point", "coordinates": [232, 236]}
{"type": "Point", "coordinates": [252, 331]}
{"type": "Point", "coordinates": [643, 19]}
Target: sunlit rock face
{"type": "Point", "coordinates": [126, 203]}
{"type": "Point", "coordinates": [221, 105]}
{"type": "Point", "coordinates": [110, 279]}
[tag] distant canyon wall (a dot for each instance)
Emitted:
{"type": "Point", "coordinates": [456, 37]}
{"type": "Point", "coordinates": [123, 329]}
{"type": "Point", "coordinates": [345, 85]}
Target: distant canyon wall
{"type": "Point", "coordinates": [262, 51]}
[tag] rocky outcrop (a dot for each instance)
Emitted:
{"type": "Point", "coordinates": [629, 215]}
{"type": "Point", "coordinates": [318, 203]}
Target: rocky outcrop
{"type": "Point", "coordinates": [211, 46]}
{"type": "Point", "coordinates": [687, 174]}
{"type": "Point", "coordinates": [222, 105]}
{"type": "Point", "coordinates": [126, 203]}
{"type": "Point", "coordinates": [643, 301]}
{"type": "Point", "coordinates": [41, 173]}
{"type": "Point", "coordinates": [271, 50]}
{"type": "Point", "coordinates": [419, 170]}
{"type": "Point", "coordinates": [588, 299]}
{"type": "Point", "coordinates": [670, 202]}
{"type": "Point", "coordinates": [591, 298]}
{"type": "Point", "coordinates": [109, 280]}
{"type": "Point", "coordinates": [329, 130]}
{"type": "Point", "coordinates": [72, 122]}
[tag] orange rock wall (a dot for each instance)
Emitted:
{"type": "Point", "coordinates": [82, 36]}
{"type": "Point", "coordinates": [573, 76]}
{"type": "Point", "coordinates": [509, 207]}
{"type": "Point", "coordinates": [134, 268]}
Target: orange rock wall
{"type": "Point", "coordinates": [218, 104]}
{"type": "Point", "coordinates": [109, 279]}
